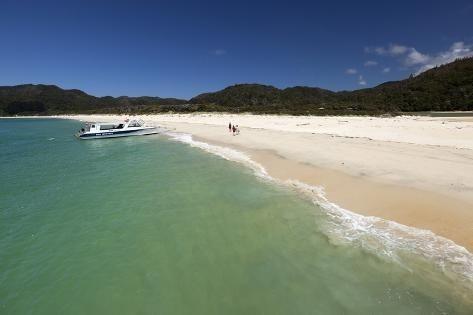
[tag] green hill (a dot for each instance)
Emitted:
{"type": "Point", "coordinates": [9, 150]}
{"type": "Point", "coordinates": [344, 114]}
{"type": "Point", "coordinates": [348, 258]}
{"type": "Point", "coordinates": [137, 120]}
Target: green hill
{"type": "Point", "coordinates": [50, 99]}
{"type": "Point", "coordinates": [448, 87]}
{"type": "Point", "coordinates": [445, 88]}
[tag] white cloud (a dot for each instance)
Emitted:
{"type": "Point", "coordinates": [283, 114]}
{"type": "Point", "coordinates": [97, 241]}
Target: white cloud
{"type": "Point", "coordinates": [380, 50]}
{"type": "Point", "coordinates": [219, 52]}
{"type": "Point", "coordinates": [361, 81]}
{"type": "Point", "coordinates": [397, 49]}
{"type": "Point", "coordinates": [351, 71]}
{"type": "Point", "coordinates": [386, 70]}
{"type": "Point", "coordinates": [419, 62]}
{"type": "Point", "coordinates": [416, 58]}
{"type": "Point", "coordinates": [371, 63]}
{"type": "Point", "coordinates": [456, 51]}
{"type": "Point", "coordinates": [391, 50]}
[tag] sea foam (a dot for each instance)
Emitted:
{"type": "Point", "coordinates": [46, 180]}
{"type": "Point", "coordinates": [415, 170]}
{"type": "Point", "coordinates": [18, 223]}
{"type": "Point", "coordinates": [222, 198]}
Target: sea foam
{"type": "Point", "coordinates": [416, 250]}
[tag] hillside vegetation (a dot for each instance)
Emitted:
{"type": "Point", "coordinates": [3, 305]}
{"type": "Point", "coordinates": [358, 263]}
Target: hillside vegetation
{"type": "Point", "coordinates": [445, 88]}
{"type": "Point", "coordinates": [50, 99]}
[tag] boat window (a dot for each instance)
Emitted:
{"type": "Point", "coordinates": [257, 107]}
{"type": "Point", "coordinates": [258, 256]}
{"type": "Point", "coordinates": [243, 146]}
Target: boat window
{"type": "Point", "coordinates": [93, 126]}
{"type": "Point", "coordinates": [106, 127]}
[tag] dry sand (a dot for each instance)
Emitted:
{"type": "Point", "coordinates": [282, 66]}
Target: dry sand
{"type": "Point", "coordinates": [417, 171]}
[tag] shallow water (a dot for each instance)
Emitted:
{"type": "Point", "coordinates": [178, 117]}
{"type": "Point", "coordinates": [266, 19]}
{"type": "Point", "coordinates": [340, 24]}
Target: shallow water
{"type": "Point", "coordinates": [150, 225]}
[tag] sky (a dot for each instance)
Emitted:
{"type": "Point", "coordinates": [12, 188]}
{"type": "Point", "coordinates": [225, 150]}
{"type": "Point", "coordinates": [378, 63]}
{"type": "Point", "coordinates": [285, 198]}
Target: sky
{"type": "Point", "coordinates": [184, 48]}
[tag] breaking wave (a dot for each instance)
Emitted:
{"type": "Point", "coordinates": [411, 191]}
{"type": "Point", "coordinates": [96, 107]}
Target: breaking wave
{"type": "Point", "coordinates": [414, 249]}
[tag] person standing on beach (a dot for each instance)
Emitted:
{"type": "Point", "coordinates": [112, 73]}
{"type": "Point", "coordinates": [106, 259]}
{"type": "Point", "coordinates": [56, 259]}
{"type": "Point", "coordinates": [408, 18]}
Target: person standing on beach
{"type": "Point", "coordinates": [229, 127]}
{"type": "Point", "coordinates": [233, 129]}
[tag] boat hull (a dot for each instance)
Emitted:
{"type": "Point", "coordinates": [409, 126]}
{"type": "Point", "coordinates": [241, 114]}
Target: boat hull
{"type": "Point", "coordinates": [117, 133]}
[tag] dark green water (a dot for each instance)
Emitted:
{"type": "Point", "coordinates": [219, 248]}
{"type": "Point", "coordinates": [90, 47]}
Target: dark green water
{"type": "Point", "coordinates": [145, 225]}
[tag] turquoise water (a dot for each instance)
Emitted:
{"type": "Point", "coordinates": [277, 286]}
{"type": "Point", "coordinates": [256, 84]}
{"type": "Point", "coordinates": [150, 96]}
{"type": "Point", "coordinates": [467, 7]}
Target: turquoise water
{"type": "Point", "coordinates": [146, 225]}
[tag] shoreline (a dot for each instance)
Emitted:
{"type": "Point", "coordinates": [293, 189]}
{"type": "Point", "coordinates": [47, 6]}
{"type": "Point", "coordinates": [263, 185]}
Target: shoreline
{"type": "Point", "coordinates": [409, 206]}
{"type": "Point", "coordinates": [427, 186]}
{"type": "Point", "coordinates": [411, 247]}
{"type": "Point", "coordinates": [417, 171]}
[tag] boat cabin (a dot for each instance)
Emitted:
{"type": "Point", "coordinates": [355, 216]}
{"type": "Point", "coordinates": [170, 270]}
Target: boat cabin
{"type": "Point", "coordinates": [97, 127]}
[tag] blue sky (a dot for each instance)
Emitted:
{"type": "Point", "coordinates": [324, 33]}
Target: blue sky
{"type": "Point", "coordinates": [183, 48]}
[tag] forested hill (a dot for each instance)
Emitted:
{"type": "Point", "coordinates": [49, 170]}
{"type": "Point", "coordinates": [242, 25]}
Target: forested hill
{"type": "Point", "coordinates": [445, 88]}
{"type": "Point", "coordinates": [448, 87]}
{"type": "Point", "coordinates": [50, 99]}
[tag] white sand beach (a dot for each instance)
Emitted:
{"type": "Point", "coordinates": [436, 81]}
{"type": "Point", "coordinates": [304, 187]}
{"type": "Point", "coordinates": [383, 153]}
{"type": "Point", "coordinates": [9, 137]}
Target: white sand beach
{"type": "Point", "coordinates": [414, 170]}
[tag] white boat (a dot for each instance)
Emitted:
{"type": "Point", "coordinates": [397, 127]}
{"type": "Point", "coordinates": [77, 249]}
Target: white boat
{"type": "Point", "coordinates": [111, 130]}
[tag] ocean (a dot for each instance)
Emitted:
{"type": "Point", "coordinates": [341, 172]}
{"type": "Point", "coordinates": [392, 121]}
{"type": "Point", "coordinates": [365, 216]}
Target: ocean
{"type": "Point", "coordinates": [161, 225]}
